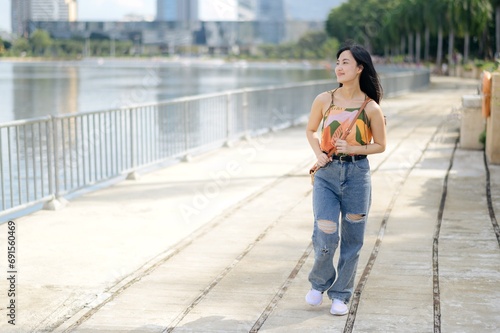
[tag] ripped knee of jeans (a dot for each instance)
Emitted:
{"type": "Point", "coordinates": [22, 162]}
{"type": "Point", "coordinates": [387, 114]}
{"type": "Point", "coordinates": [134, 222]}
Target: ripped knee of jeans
{"type": "Point", "coordinates": [355, 217]}
{"type": "Point", "coordinates": [328, 227]}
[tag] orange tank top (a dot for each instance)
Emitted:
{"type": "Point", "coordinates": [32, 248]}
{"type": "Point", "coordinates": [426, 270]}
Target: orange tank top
{"type": "Point", "coordinates": [336, 122]}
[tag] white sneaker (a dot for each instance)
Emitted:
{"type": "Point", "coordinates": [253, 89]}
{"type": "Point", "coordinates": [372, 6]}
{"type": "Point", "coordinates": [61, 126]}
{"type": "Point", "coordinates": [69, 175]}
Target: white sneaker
{"type": "Point", "coordinates": [339, 308]}
{"type": "Point", "coordinates": [314, 297]}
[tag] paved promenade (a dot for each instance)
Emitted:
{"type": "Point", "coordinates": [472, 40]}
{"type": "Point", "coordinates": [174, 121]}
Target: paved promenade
{"type": "Point", "coordinates": [223, 243]}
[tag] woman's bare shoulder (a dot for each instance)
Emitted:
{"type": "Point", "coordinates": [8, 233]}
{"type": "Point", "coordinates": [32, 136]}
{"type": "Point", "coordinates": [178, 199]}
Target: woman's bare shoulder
{"type": "Point", "coordinates": [322, 101]}
{"type": "Point", "coordinates": [325, 96]}
{"type": "Point", "coordinates": [373, 107]}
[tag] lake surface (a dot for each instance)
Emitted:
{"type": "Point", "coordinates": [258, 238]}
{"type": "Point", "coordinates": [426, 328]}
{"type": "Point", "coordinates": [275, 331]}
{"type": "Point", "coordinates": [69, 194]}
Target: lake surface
{"type": "Point", "coordinates": [34, 89]}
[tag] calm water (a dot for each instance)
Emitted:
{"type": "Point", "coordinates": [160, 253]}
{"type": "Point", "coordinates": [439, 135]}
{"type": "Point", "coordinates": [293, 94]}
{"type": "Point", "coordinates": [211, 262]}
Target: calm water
{"type": "Point", "coordinates": [29, 90]}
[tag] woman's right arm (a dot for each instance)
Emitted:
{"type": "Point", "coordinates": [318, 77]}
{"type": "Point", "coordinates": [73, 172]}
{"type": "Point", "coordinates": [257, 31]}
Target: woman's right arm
{"type": "Point", "coordinates": [315, 117]}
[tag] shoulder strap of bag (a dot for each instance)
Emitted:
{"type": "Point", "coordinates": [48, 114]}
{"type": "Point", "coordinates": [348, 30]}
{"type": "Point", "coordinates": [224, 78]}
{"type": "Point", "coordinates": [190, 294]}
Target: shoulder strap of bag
{"type": "Point", "coordinates": [367, 100]}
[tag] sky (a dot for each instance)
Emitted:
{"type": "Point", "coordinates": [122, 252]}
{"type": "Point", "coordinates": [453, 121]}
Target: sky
{"type": "Point", "coordinates": [115, 10]}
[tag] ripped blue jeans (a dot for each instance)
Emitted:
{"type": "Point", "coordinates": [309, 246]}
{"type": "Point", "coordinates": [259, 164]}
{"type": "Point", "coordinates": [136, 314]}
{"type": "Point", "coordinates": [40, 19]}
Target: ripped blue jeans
{"type": "Point", "coordinates": [342, 190]}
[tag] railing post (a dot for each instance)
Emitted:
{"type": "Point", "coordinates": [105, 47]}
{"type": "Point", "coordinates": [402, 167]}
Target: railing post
{"type": "Point", "coordinates": [187, 157]}
{"type": "Point", "coordinates": [56, 202]}
{"type": "Point", "coordinates": [245, 115]}
{"type": "Point", "coordinates": [56, 156]}
{"type": "Point", "coordinates": [229, 119]}
{"type": "Point", "coordinates": [271, 109]}
{"type": "Point", "coordinates": [132, 175]}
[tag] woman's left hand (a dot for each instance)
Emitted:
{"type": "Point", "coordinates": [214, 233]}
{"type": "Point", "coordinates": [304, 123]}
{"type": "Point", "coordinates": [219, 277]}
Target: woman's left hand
{"type": "Point", "coordinates": [342, 147]}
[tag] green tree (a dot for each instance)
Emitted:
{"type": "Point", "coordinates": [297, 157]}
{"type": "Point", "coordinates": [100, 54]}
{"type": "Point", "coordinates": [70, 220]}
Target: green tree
{"type": "Point", "coordinates": [2, 47]}
{"type": "Point", "coordinates": [434, 15]}
{"type": "Point", "coordinates": [402, 22]}
{"type": "Point", "coordinates": [473, 18]}
{"type": "Point", "coordinates": [70, 47]}
{"type": "Point", "coordinates": [453, 24]}
{"type": "Point", "coordinates": [329, 48]}
{"type": "Point", "coordinates": [419, 25]}
{"type": "Point", "coordinates": [396, 27]}
{"type": "Point", "coordinates": [363, 21]}
{"type": "Point", "coordinates": [347, 22]}
{"type": "Point", "coordinates": [496, 5]}
{"type": "Point", "coordinates": [390, 30]}
{"type": "Point", "coordinates": [40, 41]}
{"type": "Point", "coordinates": [21, 46]}
{"type": "Point", "coordinates": [311, 43]}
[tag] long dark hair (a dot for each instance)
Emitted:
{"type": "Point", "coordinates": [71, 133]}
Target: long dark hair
{"type": "Point", "coordinates": [369, 81]}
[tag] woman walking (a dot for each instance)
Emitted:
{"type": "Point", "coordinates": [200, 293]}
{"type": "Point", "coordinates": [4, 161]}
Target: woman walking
{"type": "Point", "coordinates": [353, 127]}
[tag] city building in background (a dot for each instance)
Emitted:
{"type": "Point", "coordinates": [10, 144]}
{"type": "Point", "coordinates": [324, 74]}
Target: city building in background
{"type": "Point", "coordinates": [190, 26]}
{"type": "Point", "coordinates": [272, 18]}
{"type": "Point", "coordinates": [166, 10]}
{"type": "Point", "coordinates": [20, 14]}
{"type": "Point", "coordinates": [187, 10]}
{"type": "Point", "coordinates": [247, 10]}
{"type": "Point", "coordinates": [24, 11]}
{"type": "Point", "coordinates": [184, 11]}
{"type": "Point", "coordinates": [271, 10]}
{"type": "Point", "coordinates": [206, 10]}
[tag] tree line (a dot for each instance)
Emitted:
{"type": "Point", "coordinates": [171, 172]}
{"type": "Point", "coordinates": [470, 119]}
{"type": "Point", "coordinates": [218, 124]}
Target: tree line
{"type": "Point", "coordinates": [419, 30]}
{"type": "Point", "coordinates": [41, 44]}
{"type": "Point", "coordinates": [315, 45]}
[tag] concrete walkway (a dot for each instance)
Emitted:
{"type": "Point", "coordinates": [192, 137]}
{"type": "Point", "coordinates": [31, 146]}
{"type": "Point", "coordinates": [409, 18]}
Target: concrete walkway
{"type": "Point", "coordinates": [222, 243]}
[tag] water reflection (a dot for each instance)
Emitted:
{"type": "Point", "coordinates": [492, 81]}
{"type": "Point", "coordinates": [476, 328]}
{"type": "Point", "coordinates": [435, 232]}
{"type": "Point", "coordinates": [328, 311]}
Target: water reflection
{"type": "Point", "coordinates": [51, 88]}
{"type": "Point", "coordinates": [44, 90]}
{"type": "Point", "coordinates": [6, 83]}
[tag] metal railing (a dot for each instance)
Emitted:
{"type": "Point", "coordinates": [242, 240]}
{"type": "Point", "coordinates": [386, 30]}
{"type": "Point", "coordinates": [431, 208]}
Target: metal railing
{"type": "Point", "coordinates": [44, 159]}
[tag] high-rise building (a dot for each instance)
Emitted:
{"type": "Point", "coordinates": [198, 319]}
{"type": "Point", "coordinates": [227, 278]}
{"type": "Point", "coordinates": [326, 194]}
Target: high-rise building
{"type": "Point", "coordinates": [188, 10]}
{"type": "Point", "coordinates": [177, 10]}
{"type": "Point", "coordinates": [247, 10]}
{"type": "Point", "coordinates": [271, 10]}
{"type": "Point", "coordinates": [272, 21]}
{"type": "Point", "coordinates": [208, 10]}
{"type": "Point", "coordinates": [166, 10]}
{"type": "Point", "coordinates": [19, 16]}
{"type": "Point", "coordinates": [24, 11]}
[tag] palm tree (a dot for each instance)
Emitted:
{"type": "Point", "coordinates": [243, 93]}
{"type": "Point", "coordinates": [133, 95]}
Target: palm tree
{"type": "Point", "coordinates": [453, 24]}
{"type": "Point", "coordinates": [434, 20]}
{"type": "Point", "coordinates": [474, 16]}
{"type": "Point", "coordinates": [496, 4]}
{"type": "Point", "coordinates": [439, 28]}
{"type": "Point", "coordinates": [390, 31]}
{"type": "Point", "coordinates": [396, 28]}
{"type": "Point", "coordinates": [417, 23]}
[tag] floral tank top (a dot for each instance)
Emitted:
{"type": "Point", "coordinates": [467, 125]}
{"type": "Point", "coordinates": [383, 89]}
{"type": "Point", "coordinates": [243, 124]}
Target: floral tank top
{"type": "Point", "coordinates": [336, 122]}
